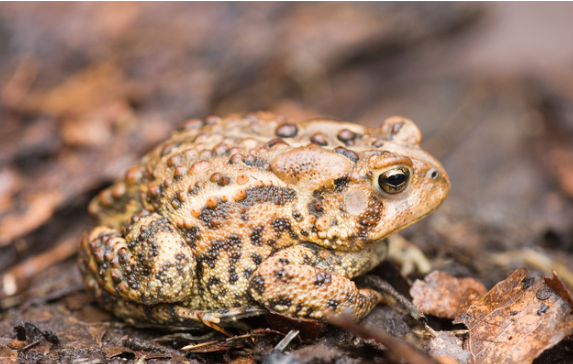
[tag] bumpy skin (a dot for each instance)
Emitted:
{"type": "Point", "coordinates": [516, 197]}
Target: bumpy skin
{"type": "Point", "coordinates": [233, 215]}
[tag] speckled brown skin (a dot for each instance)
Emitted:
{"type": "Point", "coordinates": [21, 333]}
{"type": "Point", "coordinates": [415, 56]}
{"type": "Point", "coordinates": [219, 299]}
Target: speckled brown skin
{"type": "Point", "coordinates": [231, 215]}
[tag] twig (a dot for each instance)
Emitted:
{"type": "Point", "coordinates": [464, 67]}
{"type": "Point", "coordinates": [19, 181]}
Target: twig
{"type": "Point", "coordinates": [286, 340]}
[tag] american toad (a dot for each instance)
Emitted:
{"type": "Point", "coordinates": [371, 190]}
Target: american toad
{"type": "Point", "coordinates": [233, 215]}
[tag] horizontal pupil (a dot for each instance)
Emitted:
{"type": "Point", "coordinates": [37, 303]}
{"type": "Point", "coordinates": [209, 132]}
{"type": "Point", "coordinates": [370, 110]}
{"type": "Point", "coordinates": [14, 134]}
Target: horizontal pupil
{"type": "Point", "coordinates": [396, 179]}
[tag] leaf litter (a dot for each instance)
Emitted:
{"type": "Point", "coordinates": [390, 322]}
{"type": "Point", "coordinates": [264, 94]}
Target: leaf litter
{"type": "Point", "coordinates": [517, 320]}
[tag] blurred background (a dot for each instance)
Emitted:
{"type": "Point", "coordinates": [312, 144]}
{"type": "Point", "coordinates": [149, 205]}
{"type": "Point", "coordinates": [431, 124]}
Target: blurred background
{"type": "Point", "coordinates": [87, 88]}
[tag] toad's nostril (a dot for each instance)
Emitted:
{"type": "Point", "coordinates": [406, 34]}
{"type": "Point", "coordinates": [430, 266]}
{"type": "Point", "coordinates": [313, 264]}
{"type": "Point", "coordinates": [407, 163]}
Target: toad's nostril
{"type": "Point", "coordinates": [433, 173]}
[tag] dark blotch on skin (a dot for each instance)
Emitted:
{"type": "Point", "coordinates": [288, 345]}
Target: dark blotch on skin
{"type": "Point", "coordinates": [332, 304]}
{"type": "Point", "coordinates": [195, 189]}
{"type": "Point", "coordinates": [236, 158]}
{"type": "Point", "coordinates": [268, 194]}
{"type": "Point", "coordinates": [347, 137]}
{"type": "Point", "coordinates": [210, 285]}
{"type": "Point", "coordinates": [233, 245]}
{"type": "Point", "coordinates": [350, 154]}
{"type": "Point", "coordinates": [340, 184]}
{"type": "Point", "coordinates": [256, 235]}
{"type": "Point", "coordinates": [256, 162]}
{"type": "Point", "coordinates": [214, 217]}
{"type": "Point", "coordinates": [191, 235]}
{"type": "Point", "coordinates": [169, 147]}
{"type": "Point", "coordinates": [221, 150]}
{"type": "Point", "coordinates": [145, 244]}
{"type": "Point", "coordinates": [248, 272]}
{"type": "Point", "coordinates": [378, 143]}
{"type": "Point", "coordinates": [213, 281]}
{"type": "Point", "coordinates": [257, 284]}
{"type": "Point", "coordinates": [276, 141]}
{"type": "Point", "coordinates": [176, 203]}
{"type": "Point", "coordinates": [281, 225]}
{"type": "Point", "coordinates": [281, 274]}
{"type": "Point", "coordinates": [257, 259]}
{"type": "Point", "coordinates": [287, 130]}
{"type": "Point", "coordinates": [233, 276]}
{"type": "Point", "coordinates": [322, 278]}
{"type": "Point", "coordinates": [220, 179]}
{"type": "Point", "coordinates": [212, 255]}
{"type": "Point", "coordinates": [275, 304]}
{"type": "Point", "coordinates": [320, 139]}
{"type": "Point", "coordinates": [297, 215]}
{"type": "Point", "coordinates": [223, 181]}
{"type": "Point", "coordinates": [315, 206]}
{"type": "Point", "coordinates": [199, 270]}
{"type": "Point", "coordinates": [155, 194]}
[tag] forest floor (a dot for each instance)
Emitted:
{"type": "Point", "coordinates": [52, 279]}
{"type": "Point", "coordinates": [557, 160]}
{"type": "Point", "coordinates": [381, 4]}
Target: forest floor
{"type": "Point", "coordinates": [88, 88]}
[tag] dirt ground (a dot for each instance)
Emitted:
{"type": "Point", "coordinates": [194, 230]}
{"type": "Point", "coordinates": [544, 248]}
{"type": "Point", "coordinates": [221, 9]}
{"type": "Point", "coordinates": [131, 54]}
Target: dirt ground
{"type": "Point", "coordinates": [88, 88]}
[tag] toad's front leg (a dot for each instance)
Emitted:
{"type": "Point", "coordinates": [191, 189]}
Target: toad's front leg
{"type": "Point", "coordinates": [308, 281]}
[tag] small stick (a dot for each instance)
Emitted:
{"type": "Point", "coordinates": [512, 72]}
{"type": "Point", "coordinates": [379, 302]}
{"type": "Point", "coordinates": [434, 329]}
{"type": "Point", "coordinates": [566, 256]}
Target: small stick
{"type": "Point", "coordinates": [286, 340]}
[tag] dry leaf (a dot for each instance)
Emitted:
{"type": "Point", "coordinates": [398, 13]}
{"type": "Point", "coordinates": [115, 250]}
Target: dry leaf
{"type": "Point", "coordinates": [445, 296]}
{"type": "Point", "coordinates": [516, 321]}
{"type": "Point", "coordinates": [119, 352]}
{"type": "Point", "coordinates": [556, 284]}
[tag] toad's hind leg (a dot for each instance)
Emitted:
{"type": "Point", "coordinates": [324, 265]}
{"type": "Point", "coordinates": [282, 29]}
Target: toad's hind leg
{"type": "Point", "coordinates": [310, 282]}
{"type": "Point", "coordinates": [152, 265]}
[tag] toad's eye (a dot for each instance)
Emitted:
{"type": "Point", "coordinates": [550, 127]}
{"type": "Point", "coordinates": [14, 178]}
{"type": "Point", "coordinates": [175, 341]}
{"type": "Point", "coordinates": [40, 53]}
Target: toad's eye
{"type": "Point", "coordinates": [394, 180]}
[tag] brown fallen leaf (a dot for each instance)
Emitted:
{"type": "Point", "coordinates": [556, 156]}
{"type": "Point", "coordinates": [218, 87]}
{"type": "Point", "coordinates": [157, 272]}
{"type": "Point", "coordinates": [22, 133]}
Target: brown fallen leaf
{"type": "Point", "coordinates": [442, 295]}
{"type": "Point", "coordinates": [113, 352]}
{"type": "Point", "coordinates": [97, 332]}
{"type": "Point", "coordinates": [516, 321]}
{"type": "Point", "coordinates": [556, 284]}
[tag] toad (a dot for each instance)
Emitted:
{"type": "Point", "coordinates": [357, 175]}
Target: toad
{"type": "Point", "coordinates": [232, 216]}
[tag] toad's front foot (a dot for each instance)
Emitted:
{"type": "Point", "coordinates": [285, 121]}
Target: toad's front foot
{"type": "Point", "coordinates": [284, 283]}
